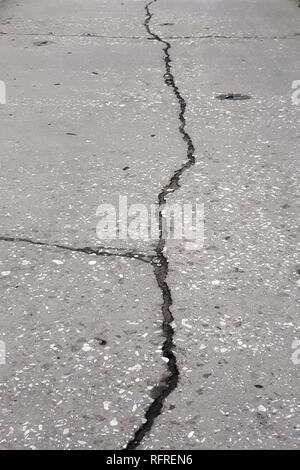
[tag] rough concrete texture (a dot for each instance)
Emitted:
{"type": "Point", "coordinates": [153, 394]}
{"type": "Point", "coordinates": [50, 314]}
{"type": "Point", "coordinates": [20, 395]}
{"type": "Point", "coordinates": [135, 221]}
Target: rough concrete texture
{"type": "Point", "coordinates": [86, 347]}
{"type": "Point", "coordinates": [83, 347]}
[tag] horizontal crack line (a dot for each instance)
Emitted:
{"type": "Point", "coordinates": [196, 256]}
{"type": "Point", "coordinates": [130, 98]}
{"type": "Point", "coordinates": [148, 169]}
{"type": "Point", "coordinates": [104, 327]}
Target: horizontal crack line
{"type": "Point", "coordinates": [220, 36]}
{"type": "Point", "coordinates": [98, 251]}
{"type": "Point", "coordinates": [183, 37]}
{"type": "Point", "coordinates": [81, 35]}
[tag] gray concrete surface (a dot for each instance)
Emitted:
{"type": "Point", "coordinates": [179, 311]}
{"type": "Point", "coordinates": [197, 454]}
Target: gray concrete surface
{"type": "Point", "coordinates": [235, 302]}
{"type": "Point", "coordinates": [83, 348]}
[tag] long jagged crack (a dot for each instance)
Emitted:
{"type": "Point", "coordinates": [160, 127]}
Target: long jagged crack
{"type": "Point", "coordinates": [98, 251]}
{"type": "Point", "coordinates": [160, 262]}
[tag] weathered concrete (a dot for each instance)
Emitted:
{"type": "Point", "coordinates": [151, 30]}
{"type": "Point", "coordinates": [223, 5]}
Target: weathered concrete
{"type": "Point", "coordinates": [83, 346]}
{"type": "Point", "coordinates": [235, 302]}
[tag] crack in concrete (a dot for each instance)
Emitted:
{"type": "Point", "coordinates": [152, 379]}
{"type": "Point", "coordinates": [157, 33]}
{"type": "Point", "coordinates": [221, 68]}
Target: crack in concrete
{"type": "Point", "coordinates": [221, 36]}
{"type": "Point", "coordinates": [79, 35]}
{"type": "Point", "coordinates": [160, 263]}
{"type": "Point", "coordinates": [200, 36]}
{"type": "Point", "coordinates": [98, 251]}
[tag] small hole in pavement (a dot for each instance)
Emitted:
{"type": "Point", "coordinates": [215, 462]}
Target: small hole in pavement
{"type": "Point", "coordinates": [233, 97]}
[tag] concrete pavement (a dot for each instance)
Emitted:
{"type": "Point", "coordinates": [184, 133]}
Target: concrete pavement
{"type": "Point", "coordinates": [90, 116]}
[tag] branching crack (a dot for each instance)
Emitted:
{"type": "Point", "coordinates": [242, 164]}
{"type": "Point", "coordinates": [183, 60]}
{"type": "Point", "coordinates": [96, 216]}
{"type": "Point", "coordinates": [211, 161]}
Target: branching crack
{"type": "Point", "coordinates": [98, 251]}
{"type": "Point", "coordinates": [160, 262]}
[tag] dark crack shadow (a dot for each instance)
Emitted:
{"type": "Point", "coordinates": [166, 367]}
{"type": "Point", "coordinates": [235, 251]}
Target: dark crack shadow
{"type": "Point", "coordinates": [160, 262]}
{"type": "Point", "coordinates": [98, 251]}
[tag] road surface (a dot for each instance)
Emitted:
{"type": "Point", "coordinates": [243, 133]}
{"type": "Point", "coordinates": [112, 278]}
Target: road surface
{"type": "Point", "coordinates": [108, 344]}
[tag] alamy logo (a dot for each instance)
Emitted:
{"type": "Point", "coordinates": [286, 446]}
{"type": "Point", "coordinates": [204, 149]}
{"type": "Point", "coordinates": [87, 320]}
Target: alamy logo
{"type": "Point", "coordinates": [2, 92]}
{"type": "Point", "coordinates": [2, 353]}
{"type": "Point", "coordinates": [296, 354]}
{"type": "Point", "coordinates": [139, 222]}
{"type": "Point", "coordinates": [296, 94]}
